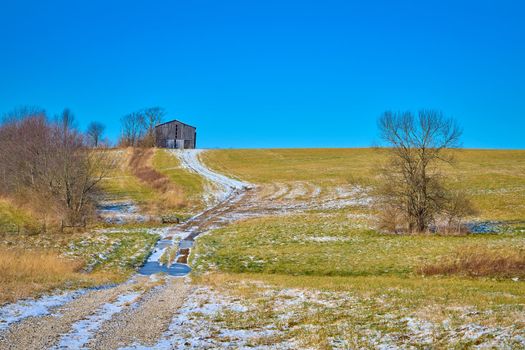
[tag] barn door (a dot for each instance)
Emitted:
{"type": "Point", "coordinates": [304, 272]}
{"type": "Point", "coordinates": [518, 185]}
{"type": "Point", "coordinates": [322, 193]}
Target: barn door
{"type": "Point", "coordinates": [170, 143]}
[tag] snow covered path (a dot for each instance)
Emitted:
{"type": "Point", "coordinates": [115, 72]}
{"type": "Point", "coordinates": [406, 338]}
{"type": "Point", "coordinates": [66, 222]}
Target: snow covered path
{"type": "Point", "coordinates": [223, 186]}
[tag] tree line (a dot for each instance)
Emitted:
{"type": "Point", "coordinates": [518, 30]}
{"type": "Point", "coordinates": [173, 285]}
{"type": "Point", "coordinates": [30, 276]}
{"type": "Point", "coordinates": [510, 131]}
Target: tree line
{"type": "Point", "coordinates": [48, 164]}
{"type": "Point", "coordinates": [138, 128]}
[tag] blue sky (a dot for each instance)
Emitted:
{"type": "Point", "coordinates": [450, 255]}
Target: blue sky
{"type": "Point", "coordinates": [323, 71]}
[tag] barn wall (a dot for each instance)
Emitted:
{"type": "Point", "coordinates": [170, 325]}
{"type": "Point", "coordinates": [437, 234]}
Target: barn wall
{"type": "Point", "coordinates": [174, 131]}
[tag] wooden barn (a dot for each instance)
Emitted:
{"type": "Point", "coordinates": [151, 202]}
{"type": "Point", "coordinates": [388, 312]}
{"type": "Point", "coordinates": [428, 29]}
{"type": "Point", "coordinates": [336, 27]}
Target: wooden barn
{"type": "Point", "coordinates": [175, 134]}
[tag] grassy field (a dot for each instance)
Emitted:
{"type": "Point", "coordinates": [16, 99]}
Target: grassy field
{"type": "Point", "coordinates": [336, 244]}
{"type": "Point", "coordinates": [327, 312]}
{"type": "Point", "coordinates": [417, 290]}
{"type": "Point", "coordinates": [323, 277]}
{"type": "Point", "coordinates": [321, 165]}
{"type": "Point", "coordinates": [495, 180]}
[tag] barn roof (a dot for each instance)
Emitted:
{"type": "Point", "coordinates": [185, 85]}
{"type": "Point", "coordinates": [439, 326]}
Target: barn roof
{"type": "Point", "coordinates": [175, 120]}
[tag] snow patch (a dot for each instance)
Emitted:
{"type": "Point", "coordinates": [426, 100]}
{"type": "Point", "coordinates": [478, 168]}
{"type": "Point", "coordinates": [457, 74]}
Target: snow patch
{"type": "Point", "coordinates": [16, 312]}
{"type": "Point", "coordinates": [194, 326]}
{"type": "Point", "coordinates": [83, 330]}
{"type": "Point", "coordinates": [120, 212]}
{"type": "Point", "coordinates": [224, 186]}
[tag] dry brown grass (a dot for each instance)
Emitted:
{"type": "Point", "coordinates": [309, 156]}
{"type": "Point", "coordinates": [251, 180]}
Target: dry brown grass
{"type": "Point", "coordinates": [479, 261]}
{"type": "Point", "coordinates": [27, 214]}
{"type": "Point", "coordinates": [29, 273]}
{"type": "Point", "coordinates": [141, 166]}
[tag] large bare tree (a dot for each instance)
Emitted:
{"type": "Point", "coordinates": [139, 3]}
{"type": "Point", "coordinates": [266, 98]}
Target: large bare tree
{"type": "Point", "coordinates": [77, 170]}
{"type": "Point", "coordinates": [413, 195]}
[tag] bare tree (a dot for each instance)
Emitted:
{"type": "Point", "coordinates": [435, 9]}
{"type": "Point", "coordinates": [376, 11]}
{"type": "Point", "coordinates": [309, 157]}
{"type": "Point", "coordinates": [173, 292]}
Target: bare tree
{"type": "Point", "coordinates": [76, 170]}
{"type": "Point", "coordinates": [24, 140]}
{"type": "Point", "coordinates": [138, 128]}
{"type": "Point", "coordinates": [20, 113]}
{"type": "Point", "coordinates": [94, 133]}
{"type": "Point", "coordinates": [132, 129]}
{"type": "Point", "coordinates": [412, 192]}
{"type": "Point", "coordinates": [152, 117]}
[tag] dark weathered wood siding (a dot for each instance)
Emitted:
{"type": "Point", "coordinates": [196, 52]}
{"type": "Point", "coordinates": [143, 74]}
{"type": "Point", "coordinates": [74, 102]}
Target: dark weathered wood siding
{"type": "Point", "coordinates": [175, 134]}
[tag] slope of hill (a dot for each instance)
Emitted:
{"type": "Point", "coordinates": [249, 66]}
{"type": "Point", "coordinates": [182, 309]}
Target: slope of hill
{"type": "Point", "coordinates": [288, 259]}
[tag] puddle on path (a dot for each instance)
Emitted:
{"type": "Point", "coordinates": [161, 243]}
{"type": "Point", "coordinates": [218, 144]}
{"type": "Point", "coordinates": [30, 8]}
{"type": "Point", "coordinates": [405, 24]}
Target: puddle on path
{"type": "Point", "coordinates": [153, 265]}
{"type": "Point", "coordinates": [176, 269]}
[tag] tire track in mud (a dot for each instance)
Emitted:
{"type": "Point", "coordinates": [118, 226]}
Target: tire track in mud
{"type": "Point", "coordinates": [281, 191]}
{"type": "Point", "coordinates": [299, 190]}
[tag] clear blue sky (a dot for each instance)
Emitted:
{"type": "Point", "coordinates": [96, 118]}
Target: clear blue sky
{"type": "Point", "coordinates": [321, 70]}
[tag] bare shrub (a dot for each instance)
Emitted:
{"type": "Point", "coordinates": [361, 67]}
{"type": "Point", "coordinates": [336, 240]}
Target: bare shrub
{"type": "Point", "coordinates": [391, 219]}
{"type": "Point", "coordinates": [477, 261]}
{"type": "Point", "coordinates": [456, 208]}
{"type": "Point", "coordinates": [412, 195]}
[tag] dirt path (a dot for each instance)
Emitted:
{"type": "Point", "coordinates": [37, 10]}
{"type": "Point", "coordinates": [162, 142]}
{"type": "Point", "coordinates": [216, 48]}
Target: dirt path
{"type": "Point", "coordinates": [135, 313]}
{"type": "Point", "coordinates": [225, 194]}
{"type": "Point", "coordinates": [143, 312]}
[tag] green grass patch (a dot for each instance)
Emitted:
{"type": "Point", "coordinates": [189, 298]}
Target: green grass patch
{"type": "Point", "coordinates": [333, 244]}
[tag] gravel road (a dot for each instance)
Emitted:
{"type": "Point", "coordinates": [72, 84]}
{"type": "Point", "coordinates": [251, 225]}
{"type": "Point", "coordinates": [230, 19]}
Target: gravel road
{"type": "Point", "coordinates": [137, 314]}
